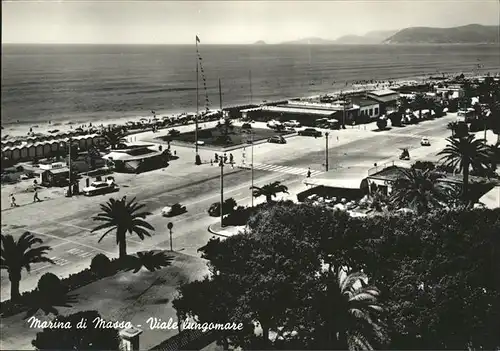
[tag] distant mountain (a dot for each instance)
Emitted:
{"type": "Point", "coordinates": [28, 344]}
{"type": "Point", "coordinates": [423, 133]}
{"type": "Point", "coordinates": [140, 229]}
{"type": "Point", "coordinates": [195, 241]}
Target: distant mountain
{"type": "Point", "coordinates": [310, 41]}
{"type": "Point", "coordinates": [260, 42]}
{"type": "Point", "coordinates": [470, 34]}
{"type": "Point", "coordinates": [381, 34]}
{"type": "Point", "coordinates": [375, 37]}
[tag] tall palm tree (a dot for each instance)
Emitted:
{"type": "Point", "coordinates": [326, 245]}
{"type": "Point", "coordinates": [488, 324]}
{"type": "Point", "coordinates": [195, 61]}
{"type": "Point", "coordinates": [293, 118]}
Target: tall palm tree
{"type": "Point", "coordinates": [123, 217]}
{"type": "Point", "coordinates": [18, 255]}
{"type": "Point", "coordinates": [226, 126]}
{"type": "Point", "coordinates": [419, 103]}
{"type": "Point", "coordinates": [355, 313]}
{"type": "Point", "coordinates": [270, 190]}
{"type": "Point", "coordinates": [420, 191]}
{"type": "Point", "coordinates": [462, 154]}
{"type": "Point", "coordinates": [113, 136]}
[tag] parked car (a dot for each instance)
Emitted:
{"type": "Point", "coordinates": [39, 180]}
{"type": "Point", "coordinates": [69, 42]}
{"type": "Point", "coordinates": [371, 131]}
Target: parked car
{"type": "Point", "coordinates": [99, 188]}
{"type": "Point", "coordinates": [293, 123]}
{"type": "Point", "coordinates": [310, 132]}
{"type": "Point", "coordinates": [173, 210]}
{"type": "Point", "coordinates": [246, 126]}
{"type": "Point", "coordinates": [277, 139]}
{"type": "Point", "coordinates": [425, 142]}
{"type": "Point", "coordinates": [274, 124]}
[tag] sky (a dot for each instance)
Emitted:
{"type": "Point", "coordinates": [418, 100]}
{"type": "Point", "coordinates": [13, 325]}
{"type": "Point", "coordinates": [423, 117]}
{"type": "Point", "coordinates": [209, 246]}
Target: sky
{"type": "Point", "coordinates": [227, 22]}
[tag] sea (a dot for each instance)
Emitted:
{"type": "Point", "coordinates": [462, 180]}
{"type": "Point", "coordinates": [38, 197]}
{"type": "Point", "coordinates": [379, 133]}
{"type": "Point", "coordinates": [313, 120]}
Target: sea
{"type": "Point", "coordinates": [85, 83]}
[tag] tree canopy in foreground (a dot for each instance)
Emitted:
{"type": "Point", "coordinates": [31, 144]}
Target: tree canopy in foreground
{"type": "Point", "coordinates": [432, 281]}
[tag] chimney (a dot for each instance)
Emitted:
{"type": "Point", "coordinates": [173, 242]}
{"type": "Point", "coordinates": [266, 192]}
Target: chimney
{"type": "Point", "coordinates": [130, 339]}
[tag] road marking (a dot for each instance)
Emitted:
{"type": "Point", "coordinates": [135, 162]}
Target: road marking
{"type": "Point", "coordinates": [286, 169]}
{"type": "Point", "coordinates": [59, 261]}
{"type": "Point", "coordinates": [72, 242]}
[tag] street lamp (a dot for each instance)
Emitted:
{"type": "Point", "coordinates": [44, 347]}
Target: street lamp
{"type": "Point", "coordinates": [326, 161]}
{"type": "Point", "coordinates": [69, 166]}
{"type": "Point", "coordinates": [221, 165]}
{"type": "Point", "coordinates": [170, 225]}
{"type": "Point", "coordinates": [251, 187]}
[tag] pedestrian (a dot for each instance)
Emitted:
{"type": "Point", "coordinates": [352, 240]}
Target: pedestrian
{"type": "Point", "coordinates": [337, 138]}
{"type": "Point", "coordinates": [12, 201]}
{"type": "Point", "coordinates": [225, 157]}
{"type": "Point", "coordinates": [309, 173]}
{"type": "Point", "coordinates": [35, 197]}
{"type": "Point", "coordinates": [216, 157]}
{"type": "Point", "coordinates": [211, 162]}
{"type": "Point", "coordinates": [231, 158]}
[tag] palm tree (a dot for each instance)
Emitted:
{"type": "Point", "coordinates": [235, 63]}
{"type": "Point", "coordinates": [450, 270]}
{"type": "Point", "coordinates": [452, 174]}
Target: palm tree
{"type": "Point", "coordinates": [355, 317]}
{"type": "Point", "coordinates": [270, 190]}
{"type": "Point", "coordinates": [419, 191]}
{"type": "Point", "coordinates": [226, 126]}
{"type": "Point", "coordinates": [113, 136]}
{"type": "Point", "coordinates": [18, 255]}
{"type": "Point", "coordinates": [123, 217]}
{"type": "Point", "coordinates": [419, 104]}
{"type": "Point", "coordinates": [463, 153]}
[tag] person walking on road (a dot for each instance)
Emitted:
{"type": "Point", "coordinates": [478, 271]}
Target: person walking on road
{"type": "Point", "coordinates": [216, 158]}
{"type": "Point", "coordinates": [231, 158]}
{"type": "Point", "coordinates": [35, 197]}
{"type": "Point", "coordinates": [309, 173]}
{"type": "Point", "coordinates": [12, 201]}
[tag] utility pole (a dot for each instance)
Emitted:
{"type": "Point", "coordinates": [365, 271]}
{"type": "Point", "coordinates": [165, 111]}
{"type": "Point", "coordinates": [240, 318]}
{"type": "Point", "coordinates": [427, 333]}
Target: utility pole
{"type": "Point", "coordinates": [251, 94]}
{"type": "Point", "coordinates": [170, 225]}
{"type": "Point", "coordinates": [221, 164]}
{"type": "Point", "coordinates": [220, 99]}
{"type": "Point", "coordinates": [251, 188]}
{"type": "Point", "coordinates": [69, 165]}
{"type": "Point", "coordinates": [326, 161]}
{"type": "Point", "coordinates": [197, 157]}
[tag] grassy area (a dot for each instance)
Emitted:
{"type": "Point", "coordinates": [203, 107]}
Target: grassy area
{"type": "Point", "coordinates": [215, 137]}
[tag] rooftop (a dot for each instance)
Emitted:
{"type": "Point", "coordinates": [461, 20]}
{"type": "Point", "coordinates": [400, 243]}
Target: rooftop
{"type": "Point", "coordinates": [383, 92]}
{"type": "Point", "coordinates": [295, 110]}
{"type": "Point", "coordinates": [363, 101]}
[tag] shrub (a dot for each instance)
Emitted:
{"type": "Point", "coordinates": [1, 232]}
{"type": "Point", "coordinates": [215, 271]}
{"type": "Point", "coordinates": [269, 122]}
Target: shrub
{"type": "Point", "coordinates": [423, 165]}
{"type": "Point", "coordinates": [381, 123]}
{"type": "Point", "coordinates": [49, 283]}
{"type": "Point", "coordinates": [239, 216]}
{"type": "Point", "coordinates": [101, 265]}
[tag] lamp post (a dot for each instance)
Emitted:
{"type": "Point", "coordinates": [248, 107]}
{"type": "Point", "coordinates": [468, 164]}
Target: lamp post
{"type": "Point", "coordinates": [326, 148]}
{"type": "Point", "coordinates": [221, 165]}
{"type": "Point", "coordinates": [170, 225]}
{"type": "Point", "coordinates": [251, 187]}
{"type": "Point", "coordinates": [69, 166]}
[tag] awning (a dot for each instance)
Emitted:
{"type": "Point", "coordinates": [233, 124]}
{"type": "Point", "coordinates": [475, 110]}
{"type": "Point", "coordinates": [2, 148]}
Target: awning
{"type": "Point", "coordinates": [492, 198]}
{"type": "Point", "coordinates": [343, 183]}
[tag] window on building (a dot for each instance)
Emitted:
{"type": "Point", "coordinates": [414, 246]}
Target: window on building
{"type": "Point", "coordinates": [376, 110]}
{"type": "Point", "coordinates": [371, 112]}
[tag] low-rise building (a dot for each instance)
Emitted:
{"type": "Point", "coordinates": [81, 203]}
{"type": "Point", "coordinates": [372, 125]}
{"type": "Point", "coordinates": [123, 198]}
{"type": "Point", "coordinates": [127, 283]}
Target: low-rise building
{"type": "Point", "coordinates": [386, 98]}
{"type": "Point", "coordinates": [369, 109]}
{"type": "Point", "coordinates": [137, 159]}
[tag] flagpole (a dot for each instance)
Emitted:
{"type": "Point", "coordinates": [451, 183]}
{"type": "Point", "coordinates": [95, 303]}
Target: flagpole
{"type": "Point", "coordinates": [197, 102]}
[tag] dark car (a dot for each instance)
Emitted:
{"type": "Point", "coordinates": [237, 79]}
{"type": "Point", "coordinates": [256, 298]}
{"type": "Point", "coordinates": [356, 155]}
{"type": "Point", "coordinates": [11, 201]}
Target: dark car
{"type": "Point", "coordinates": [277, 139]}
{"type": "Point", "coordinates": [310, 132]}
{"type": "Point", "coordinates": [246, 126]}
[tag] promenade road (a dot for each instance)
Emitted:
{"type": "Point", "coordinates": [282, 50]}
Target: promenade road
{"type": "Point", "coordinates": [65, 223]}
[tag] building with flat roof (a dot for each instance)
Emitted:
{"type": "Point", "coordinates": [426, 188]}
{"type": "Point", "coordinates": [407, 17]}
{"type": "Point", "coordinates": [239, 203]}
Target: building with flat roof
{"type": "Point", "coordinates": [137, 159]}
{"type": "Point", "coordinates": [386, 98]}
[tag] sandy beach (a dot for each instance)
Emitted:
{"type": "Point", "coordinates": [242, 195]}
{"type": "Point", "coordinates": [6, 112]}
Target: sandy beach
{"type": "Point", "coordinates": [22, 130]}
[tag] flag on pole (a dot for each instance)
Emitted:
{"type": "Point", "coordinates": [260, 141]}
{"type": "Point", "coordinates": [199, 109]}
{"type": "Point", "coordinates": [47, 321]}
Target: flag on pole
{"type": "Point", "coordinates": [197, 39]}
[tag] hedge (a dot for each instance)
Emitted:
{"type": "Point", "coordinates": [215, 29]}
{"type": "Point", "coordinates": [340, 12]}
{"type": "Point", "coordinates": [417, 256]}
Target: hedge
{"type": "Point", "coordinates": [73, 282]}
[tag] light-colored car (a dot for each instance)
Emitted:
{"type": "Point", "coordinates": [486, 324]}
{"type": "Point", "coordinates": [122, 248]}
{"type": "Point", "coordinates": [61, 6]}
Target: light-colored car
{"type": "Point", "coordinates": [425, 142]}
{"type": "Point", "coordinates": [97, 188]}
{"type": "Point", "coordinates": [173, 210]}
{"type": "Point", "coordinates": [293, 124]}
{"type": "Point", "coordinates": [274, 124]}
